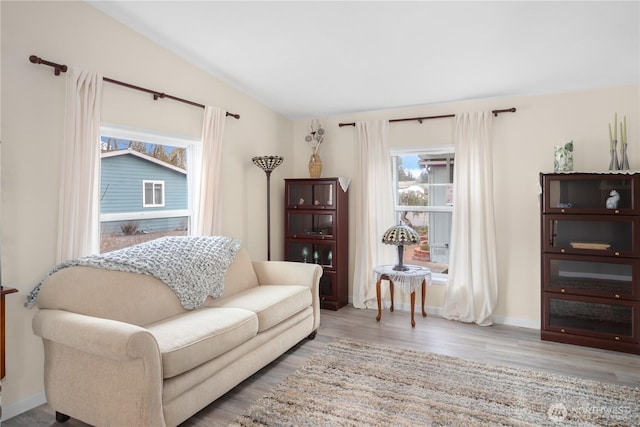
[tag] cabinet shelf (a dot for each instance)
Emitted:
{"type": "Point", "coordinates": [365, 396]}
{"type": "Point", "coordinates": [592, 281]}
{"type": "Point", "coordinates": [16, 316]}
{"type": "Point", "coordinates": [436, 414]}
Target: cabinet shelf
{"type": "Point", "coordinates": [591, 260]}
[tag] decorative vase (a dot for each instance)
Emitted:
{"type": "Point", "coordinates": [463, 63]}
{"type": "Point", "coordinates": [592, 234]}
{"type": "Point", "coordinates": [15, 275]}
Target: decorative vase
{"type": "Point", "coordinates": [315, 166]}
{"type": "Point", "coordinates": [613, 163]}
{"type": "Point", "coordinates": [624, 160]}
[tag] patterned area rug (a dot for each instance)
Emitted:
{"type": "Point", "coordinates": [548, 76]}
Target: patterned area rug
{"type": "Point", "coordinates": [353, 383]}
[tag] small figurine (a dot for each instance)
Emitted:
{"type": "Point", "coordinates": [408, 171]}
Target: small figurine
{"type": "Point", "coordinates": [301, 201]}
{"type": "Point", "coordinates": [330, 258]}
{"type": "Point", "coordinates": [317, 202]}
{"type": "Point", "coordinates": [613, 199]}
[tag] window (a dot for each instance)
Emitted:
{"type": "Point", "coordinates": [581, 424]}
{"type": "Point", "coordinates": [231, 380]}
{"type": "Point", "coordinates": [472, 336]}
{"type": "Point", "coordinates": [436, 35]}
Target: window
{"type": "Point", "coordinates": [153, 193]}
{"type": "Point", "coordinates": [158, 164]}
{"type": "Point", "coordinates": [423, 184]}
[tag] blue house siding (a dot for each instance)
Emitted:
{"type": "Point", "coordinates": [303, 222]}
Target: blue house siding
{"type": "Point", "coordinates": [121, 187]}
{"type": "Point", "coordinates": [121, 191]}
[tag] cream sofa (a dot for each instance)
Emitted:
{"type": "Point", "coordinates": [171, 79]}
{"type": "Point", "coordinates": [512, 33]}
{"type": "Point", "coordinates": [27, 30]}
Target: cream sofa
{"type": "Point", "coordinates": [120, 350]}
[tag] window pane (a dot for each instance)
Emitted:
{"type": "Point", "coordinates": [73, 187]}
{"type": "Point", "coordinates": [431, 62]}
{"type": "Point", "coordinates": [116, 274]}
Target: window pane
{"type": "Point", "coordinates": [158, 194]}
{"type": "Point", "coordinates": [129, 216]}
{"type": "Point", "coordinates": [148, 193]}
{"type": "Point", "coordinates": [424, 201]}
{"type": "Point", "coordinates": [121, 234]}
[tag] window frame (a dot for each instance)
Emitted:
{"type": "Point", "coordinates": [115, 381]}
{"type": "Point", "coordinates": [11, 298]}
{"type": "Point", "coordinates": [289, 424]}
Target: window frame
{"type": "Point", "coordinates": [436, 278]}
{"type": "Point", "coordinates": [154, 183]}
{"type": "Point", "coordinates": [193, 152]}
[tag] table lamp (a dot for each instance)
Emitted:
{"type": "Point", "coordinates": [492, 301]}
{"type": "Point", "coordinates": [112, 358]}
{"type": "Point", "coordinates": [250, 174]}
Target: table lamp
{"type": "Point", "coordinates": [400, 235]}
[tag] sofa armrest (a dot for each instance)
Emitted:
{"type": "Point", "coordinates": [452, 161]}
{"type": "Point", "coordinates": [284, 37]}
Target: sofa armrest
{"type": "Point", "coordinates": [287, 273]}
{"type": "Point", "coordinates": [101, 371]}
{"type": "Point", "coordinates": [292, 273]}
{"type": "Point", "coordinates": [94, 335]}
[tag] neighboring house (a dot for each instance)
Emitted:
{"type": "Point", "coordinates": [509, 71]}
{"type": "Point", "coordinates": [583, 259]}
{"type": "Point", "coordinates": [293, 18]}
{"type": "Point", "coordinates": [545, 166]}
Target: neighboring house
{"type": "Point", "coordinates": [136, 190]}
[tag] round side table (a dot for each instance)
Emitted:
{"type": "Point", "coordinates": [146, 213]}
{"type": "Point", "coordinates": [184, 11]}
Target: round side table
{"type": "Point", "coordinates": [408, 280]}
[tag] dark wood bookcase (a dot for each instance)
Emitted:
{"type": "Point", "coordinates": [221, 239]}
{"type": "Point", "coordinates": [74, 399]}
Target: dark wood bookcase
{"type": "Point", "coordinates": [591, 260]}
{"type": "Point", "coordinates": [316, 230]}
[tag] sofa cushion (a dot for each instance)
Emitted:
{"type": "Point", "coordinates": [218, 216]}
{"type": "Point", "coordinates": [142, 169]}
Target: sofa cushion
{"type": "Point", "coordinates": [240, 274]}
{"type": "Point", "coordinates": [271, 303]}
{"type": "Point", "coordinates": [195, 337]}
{"type": "Point", "coordinates": [131, 298]}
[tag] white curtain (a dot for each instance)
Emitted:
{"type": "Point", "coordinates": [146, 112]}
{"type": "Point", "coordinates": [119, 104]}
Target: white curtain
{"type": "Point", "coordinates": [373, 208]}
{"type": "Point", "coordinates": [207, 206]}
{"type": "Point", "coordinates": [79, 203]}
{"type": "Point", "coordinates": [472, 289]}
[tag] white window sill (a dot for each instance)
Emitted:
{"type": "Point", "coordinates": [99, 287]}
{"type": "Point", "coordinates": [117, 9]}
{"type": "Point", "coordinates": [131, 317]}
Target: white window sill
{"type": "Point", "coordinates": [439, 279]}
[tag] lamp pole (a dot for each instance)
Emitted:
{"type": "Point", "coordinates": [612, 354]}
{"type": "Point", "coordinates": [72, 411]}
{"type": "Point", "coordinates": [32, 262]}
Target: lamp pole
{"type": "Point", "coordinates": [268, 172]}
{"type": "Point", "coordinates": [268, 164]}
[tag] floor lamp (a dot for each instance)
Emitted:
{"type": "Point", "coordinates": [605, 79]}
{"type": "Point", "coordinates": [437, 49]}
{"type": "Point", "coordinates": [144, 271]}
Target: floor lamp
{"type": "Point", "coordinates": [268, 164]}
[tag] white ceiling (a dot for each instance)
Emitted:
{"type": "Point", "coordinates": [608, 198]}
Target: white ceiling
{"type": "Point", "coordinates": [308, 59]}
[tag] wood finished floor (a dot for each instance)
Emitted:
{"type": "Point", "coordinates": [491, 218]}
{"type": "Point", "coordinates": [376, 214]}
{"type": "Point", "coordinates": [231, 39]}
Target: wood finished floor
{"type": "Point", "coordinates": [498, 344]}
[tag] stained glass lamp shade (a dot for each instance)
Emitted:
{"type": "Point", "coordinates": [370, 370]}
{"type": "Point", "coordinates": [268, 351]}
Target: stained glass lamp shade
{"type": "Point", "coordinates": [400, 235]}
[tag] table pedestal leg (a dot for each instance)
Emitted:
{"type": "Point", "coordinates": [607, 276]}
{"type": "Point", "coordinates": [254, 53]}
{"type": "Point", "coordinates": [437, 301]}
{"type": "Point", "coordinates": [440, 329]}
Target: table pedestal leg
{"type": "Point", "coordinates": [424, 313]}
{"type": "Point", "coordinates": [379, 297]}
{"type": "Point", "coordinates": [413, 306]}
{"type": "Point", "coordinates": [391, 291]}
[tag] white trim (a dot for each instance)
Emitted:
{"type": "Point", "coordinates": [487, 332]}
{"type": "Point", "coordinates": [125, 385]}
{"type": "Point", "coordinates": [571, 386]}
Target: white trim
{"type": "Point", "coordinates": [17, 408]}
{"type": "Point", "coordinates": [439, 279]}
{"type": "Point", "coordinates": [516, 321]}
{"type": "Point", "coordinates": [437, 312]}
{"type": "Point", "coordinates": [148, 136]}
{"type": "Point", "coordinates": [132, 216]}
{"type": "Point", "coordinates": [432, 150]}
{"type": "Point", "coordinates": [416, 208]}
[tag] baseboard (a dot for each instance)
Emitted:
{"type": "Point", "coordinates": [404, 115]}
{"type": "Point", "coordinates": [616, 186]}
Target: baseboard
{"type": "Point", "coordinates": [499, 320]}
{"type": "Point", "coordinates": [10, 411]}
{"type": "Point", "coordinates": [515, 321]}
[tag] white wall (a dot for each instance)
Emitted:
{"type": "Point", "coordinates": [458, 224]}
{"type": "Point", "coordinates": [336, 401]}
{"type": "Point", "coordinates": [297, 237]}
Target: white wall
{"type": "Point", "coordinates": [523, 147]}
{"type": "Point", "coordinates": [77, 34]}
{"type": "Point", "coordinates": [74, 33]}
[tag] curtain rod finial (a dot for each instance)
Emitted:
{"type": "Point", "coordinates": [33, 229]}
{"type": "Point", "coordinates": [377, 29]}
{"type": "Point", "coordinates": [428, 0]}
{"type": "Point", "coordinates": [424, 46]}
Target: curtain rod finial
{"type": "Point", "coordinates": [57, 68]}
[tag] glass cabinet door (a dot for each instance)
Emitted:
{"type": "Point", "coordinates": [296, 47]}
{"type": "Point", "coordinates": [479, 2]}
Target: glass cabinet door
{"type": "Point", "coordinates": [588, 275]}
{"type": "Point", "coordinates": [311, 195]}
{"type": "Point", "coordinates": [311, 252]}
{"type": "Point", "coordinates": [591, 193]}
{"type": "Point", "coordinates": [604, 235]}
{"type": "Point", "coordinates": [310, 224]}
{"type": "Point", "coordinates": [588, 316]}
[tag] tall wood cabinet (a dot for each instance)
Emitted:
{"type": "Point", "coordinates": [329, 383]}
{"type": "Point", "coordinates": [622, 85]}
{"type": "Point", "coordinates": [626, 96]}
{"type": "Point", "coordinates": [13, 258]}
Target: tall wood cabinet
{"type": "Point", "coordinates": [591, 259]}
{"type": "Point", "coordinates": [316, 230]}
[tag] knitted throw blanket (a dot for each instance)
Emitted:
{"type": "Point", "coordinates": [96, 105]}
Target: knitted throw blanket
{"type": "Point", "coordinates": [193, 267]}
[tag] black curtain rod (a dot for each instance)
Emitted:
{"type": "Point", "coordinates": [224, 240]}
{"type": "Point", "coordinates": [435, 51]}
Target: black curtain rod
{"type": "Point", "coordinates": [58, 68]}
{"type": "Point", "coordinates": [420, 119]}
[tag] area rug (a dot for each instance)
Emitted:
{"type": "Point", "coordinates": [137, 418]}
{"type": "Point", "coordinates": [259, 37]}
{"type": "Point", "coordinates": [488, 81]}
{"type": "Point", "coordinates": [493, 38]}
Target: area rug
{"type": "Point", "coordinates": [354, 383]}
